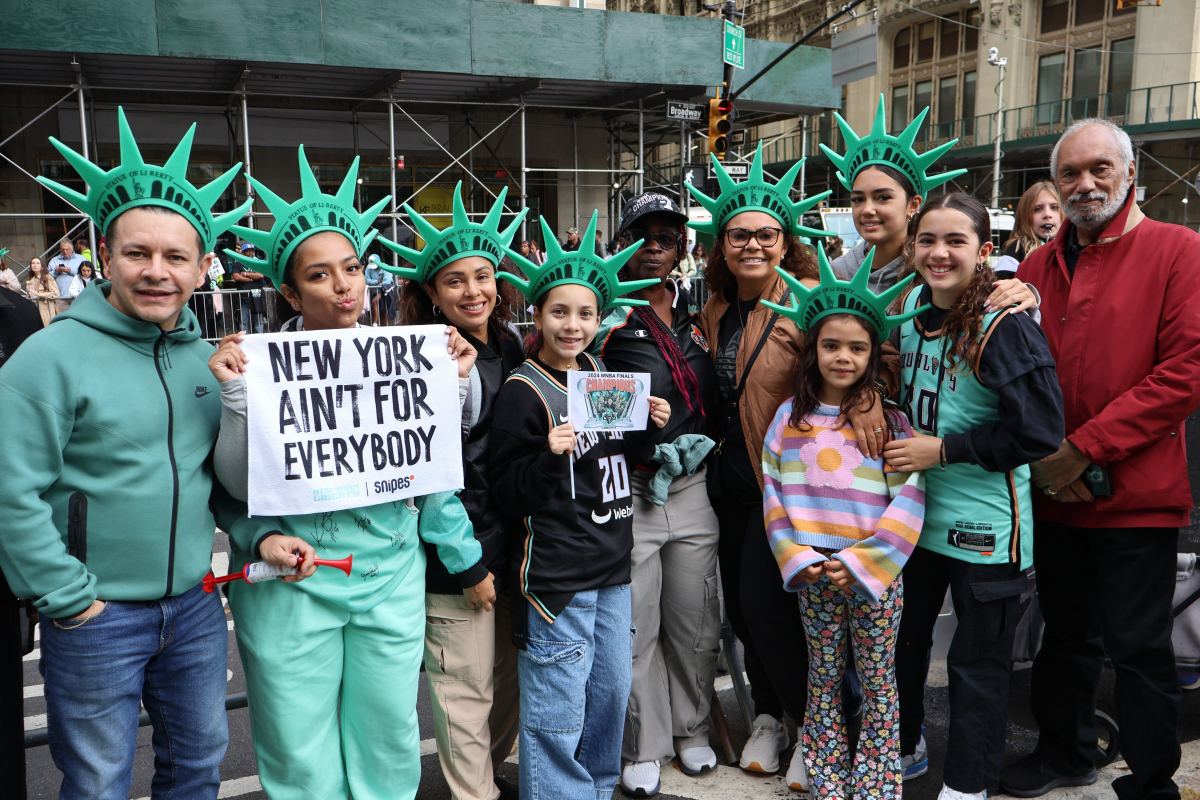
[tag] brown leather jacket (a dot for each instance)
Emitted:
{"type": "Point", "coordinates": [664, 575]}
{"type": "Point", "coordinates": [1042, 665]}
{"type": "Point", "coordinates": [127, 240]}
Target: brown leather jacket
{"type": "Point", "coordinates": [772, 377]}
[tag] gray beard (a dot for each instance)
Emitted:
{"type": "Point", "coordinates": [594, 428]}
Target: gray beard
{"type": "Point", "coordinates": [1094, 220]}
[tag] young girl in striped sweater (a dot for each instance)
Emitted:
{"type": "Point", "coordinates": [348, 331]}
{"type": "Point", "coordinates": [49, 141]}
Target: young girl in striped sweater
{"type": "Point", "coordinates": [841, 527]}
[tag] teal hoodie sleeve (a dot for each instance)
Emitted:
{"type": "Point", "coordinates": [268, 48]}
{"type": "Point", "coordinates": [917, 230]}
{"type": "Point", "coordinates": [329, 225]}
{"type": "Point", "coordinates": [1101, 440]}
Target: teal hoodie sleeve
{"type": "Point", "coordinates": [33, 552]}
{"type": "Point", "coordinates": [445, 525]}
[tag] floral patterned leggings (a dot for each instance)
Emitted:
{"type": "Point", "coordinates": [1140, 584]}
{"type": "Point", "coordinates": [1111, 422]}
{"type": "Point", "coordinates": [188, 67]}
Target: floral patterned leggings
{"type": "Point", "coordinates": [828, 613]}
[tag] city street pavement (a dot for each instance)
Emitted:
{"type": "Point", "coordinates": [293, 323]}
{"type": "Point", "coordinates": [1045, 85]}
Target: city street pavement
{"type": "Point", "coordinates": [239, 778]}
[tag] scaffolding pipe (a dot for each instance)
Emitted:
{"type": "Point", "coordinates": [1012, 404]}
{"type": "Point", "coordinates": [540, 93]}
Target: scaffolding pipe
{"type": "Point", "coordinates": [83, 135]}
{"type": "Point", "coordinates": [641, 146]}
{"type": "Point", "coordinates": [575, 176]}
{"type": "Point", "coordinates": [246, 148]}
{"type": "Point", "coordinates": [804, 156]}
{"type": "Point", "coordinates": [470, 161]}
{"type": "Point", "coordinates": [524, 169]}
{"type": "Point", "coordinates": [392, 173]}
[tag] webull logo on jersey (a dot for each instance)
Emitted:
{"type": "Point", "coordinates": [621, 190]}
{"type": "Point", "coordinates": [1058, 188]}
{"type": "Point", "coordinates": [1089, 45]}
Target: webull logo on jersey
{"type": "Point", "coordinates": [611, 514]}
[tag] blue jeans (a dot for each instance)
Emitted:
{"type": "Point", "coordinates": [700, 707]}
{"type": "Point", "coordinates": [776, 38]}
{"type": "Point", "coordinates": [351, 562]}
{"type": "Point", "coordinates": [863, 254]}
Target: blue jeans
{"type": "Point", "coordinates": [168, 654]}
{"type": "Point", "coordinates": [574, 676]}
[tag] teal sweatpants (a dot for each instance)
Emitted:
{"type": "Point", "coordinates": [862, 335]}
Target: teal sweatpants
{"type": "Point", "coordinates": [333, 694]}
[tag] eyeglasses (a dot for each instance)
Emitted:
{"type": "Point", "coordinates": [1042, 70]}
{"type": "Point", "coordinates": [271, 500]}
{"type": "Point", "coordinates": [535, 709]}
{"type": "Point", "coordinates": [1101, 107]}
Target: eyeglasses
{"type": "Point", "coordinates": [740, 237]}
{"type": "Point", "coordinates": [666, 239]}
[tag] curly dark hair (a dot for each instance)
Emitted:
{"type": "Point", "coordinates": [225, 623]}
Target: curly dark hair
{"type": "Point", "coordinates": [798, 259]}
{"type": "Point", "coordinates": [964, 323]}
{"type": "Point", "coordinates": [809, 381]}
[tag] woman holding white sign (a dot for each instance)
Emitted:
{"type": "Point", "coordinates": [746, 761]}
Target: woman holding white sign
{"type": "Point", "coordinates": [332, 663]}
{"type": "Point", "coordinates": [470, 659]}
{"type": "Point", "coordinates": [570, 494]}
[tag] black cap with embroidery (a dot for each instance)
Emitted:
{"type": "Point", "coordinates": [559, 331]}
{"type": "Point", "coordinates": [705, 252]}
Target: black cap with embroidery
{"type": "Point", "coordinates": [646, 204]}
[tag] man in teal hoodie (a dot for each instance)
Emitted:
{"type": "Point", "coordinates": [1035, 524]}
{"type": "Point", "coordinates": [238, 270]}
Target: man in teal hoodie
{"type": "Point", "coordinates": [108, 487]}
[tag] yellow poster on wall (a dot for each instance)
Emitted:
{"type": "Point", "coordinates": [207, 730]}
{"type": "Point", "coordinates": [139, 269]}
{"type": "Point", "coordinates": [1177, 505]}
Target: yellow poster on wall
{"type": "Point", "coordinates": [434, 204]}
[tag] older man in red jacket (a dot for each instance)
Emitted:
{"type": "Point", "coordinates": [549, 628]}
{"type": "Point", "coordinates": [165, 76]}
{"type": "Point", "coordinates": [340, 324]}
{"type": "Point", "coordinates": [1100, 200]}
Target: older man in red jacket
{"type": "Point", "coordinates": [1121, 310]}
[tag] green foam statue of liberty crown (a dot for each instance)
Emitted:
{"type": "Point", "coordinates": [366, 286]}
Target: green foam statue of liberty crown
{"type": "Point", "coordinates": [579, 267]}
{"type": "Point", "coordinates": [134, 183]}
{"type": "Point", "coordinates": [879, 147]}
{"type": "Point", "coordinates": [835, 296]}
{"type": "Point", "coordinates": [314, 212]}
{"type": "Point", "coordinates": [463, 238]}
{"type": "Point", "coordinates": [756, 194]}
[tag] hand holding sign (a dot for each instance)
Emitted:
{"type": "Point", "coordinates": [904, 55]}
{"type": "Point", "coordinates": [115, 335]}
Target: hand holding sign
{"type": "Point", "coordinates": [229, 361]}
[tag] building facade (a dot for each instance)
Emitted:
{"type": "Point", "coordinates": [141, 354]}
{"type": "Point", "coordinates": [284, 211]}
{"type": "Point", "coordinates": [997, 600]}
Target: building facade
{"type": "Point", "coordinates": [1137, 63]}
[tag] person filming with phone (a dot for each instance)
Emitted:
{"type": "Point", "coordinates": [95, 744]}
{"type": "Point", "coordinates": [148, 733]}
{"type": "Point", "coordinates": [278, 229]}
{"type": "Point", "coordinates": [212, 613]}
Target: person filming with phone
{"type": "Point", "coordinates": [1119, 294]}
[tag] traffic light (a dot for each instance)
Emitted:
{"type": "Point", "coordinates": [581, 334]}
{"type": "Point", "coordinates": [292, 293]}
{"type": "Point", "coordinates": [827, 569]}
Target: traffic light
{"type": "Point", "coordinates": [720, 114]}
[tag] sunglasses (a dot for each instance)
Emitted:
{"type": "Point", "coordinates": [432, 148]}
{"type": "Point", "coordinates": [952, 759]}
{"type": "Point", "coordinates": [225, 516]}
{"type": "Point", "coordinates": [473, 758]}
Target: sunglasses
{"type": "Point", "coordinates": [666, 239]}
{"type": "Point", "coordinates": [740, 237]}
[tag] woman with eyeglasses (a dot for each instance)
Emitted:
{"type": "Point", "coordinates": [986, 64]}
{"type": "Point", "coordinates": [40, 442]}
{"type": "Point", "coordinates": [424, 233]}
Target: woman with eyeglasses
{"type": "Point", "coordinates": [756, 353]}
{"type": "Point", "coordinates": [676, 611]}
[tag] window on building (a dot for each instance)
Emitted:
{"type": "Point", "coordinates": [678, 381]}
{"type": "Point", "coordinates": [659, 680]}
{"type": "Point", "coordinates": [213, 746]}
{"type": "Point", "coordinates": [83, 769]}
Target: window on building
{"type": "Point", "coordinates": [922, 98]}
{"type": "Point", "coordinates": [948, 42]}
{"type": "Point", "coordinates": [1120, 76]}
{"type": "Point", "coordinates": [1088, 11]}
{"type": "Point", "coordinates": [968, 104]}
{"type": "Point", "coordinates": [900, 49]}
{"type": "Point", "coordinates": [899, 107]}
{"type": "Point", "coordinates": [925, 33]}
{"type": "Point", "coordinates": [971, 32]}
{"type": "Point", "coordinates": [1085, 84]}
{"type": "Point", "coordinates": [1051, 69]}
{"type": "Point", "coordinates": [1054, 14]}
{"type": "Point", "coordinates": [947, 112]}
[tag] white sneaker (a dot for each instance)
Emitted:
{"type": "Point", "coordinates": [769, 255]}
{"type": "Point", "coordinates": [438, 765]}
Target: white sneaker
{"type": "Point", "coordinates": [697, 760]}
{"type": "Point", "coordinates": [955, 794]}
{"type": "Point", "coordinates": [640, 779]}
{"type": "Point", "coordinates": [797, 774]}
{"type": "Point", "coordinates": [768, 738]}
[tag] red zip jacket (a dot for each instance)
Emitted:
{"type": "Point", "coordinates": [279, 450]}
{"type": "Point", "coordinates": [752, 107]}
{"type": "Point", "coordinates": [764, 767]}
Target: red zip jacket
{"type": "Point", "coordinates": [1125, 332]}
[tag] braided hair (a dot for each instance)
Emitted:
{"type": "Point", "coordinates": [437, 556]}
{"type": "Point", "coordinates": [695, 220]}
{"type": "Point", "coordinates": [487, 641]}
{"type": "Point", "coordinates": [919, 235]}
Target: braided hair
{"type": "Point", "coordinates": [682, 374]}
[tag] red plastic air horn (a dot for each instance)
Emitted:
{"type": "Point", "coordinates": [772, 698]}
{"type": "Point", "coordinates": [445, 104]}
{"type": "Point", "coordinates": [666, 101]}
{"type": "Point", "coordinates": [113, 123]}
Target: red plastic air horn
{"type": "Point", "coordinates": [259, 571]}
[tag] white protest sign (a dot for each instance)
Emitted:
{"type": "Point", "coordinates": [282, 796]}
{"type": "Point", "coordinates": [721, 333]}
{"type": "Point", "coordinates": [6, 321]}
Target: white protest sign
{"type": "Point", "coordinates": [349, 418]}
{"type": "Point", "coordinates": [608, 401]}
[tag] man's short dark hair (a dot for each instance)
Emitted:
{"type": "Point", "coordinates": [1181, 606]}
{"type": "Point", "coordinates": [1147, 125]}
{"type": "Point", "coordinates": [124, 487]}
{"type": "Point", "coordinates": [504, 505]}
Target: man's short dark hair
{"type": "Point", "coordinates": [110, 235]}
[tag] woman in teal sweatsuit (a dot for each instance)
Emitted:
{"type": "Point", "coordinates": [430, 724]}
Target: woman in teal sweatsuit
{"type": "Point", "coordinates": [332, 662]}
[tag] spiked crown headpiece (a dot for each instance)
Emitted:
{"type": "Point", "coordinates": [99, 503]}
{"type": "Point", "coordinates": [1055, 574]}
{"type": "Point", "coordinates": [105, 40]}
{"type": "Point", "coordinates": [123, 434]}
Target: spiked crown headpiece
{"type": "Point", "coordinates": [463, 238]}
{"type": "Point", "coordinates": [879, 147]}
{"type": "Point", "coordinates": [835, 296]}
{"type": "Point", "coordinates": [756, 194]}
{"type": "Point", "coordinates": [134, 183]}
{"type": "Point", "coordinates": [580, 267]}
{"type": "Point", "coordinates": [313, 212]}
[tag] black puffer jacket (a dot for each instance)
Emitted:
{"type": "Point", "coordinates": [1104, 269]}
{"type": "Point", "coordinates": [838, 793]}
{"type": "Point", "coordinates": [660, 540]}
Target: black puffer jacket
{"type": "Point", "coordinates": [496, 360]}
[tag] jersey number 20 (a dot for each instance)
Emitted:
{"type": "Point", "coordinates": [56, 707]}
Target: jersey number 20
{"type": "Point", "coordinates": [614, 478]}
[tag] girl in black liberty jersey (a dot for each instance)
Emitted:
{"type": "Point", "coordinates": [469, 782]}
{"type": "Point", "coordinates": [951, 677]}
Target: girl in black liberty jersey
{"type": "Point", "coordinates": [569, 495]}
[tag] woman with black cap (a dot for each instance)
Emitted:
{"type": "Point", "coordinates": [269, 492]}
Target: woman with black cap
{"type": "Point", "coordinates": [676, 612]}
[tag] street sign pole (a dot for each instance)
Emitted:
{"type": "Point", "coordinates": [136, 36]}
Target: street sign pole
{"type": "Point", "coordinates": [683, 162]}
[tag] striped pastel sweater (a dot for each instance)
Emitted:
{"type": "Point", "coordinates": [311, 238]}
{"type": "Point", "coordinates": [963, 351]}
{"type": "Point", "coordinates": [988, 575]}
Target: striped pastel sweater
{"type": "Point", "coordinates": [820, 491]}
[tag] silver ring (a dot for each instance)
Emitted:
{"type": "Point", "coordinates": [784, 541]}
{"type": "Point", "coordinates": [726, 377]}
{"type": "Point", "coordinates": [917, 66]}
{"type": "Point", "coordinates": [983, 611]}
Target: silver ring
{"type": "Point", "coordinates": [1049, 491]}
{"type": "Point", "coordinates": [878, 430]}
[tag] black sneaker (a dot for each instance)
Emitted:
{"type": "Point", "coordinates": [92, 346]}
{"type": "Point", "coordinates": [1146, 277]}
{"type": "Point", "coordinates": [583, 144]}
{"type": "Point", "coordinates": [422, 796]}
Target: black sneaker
{"type": "Point", "coordinates": [1030, 777]}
